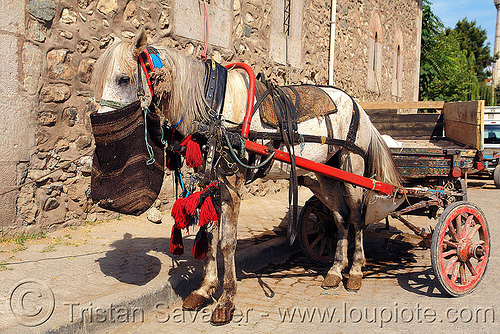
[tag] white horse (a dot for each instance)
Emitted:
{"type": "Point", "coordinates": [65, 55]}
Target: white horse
{"type": "Point", "coordinates": [115, 78]}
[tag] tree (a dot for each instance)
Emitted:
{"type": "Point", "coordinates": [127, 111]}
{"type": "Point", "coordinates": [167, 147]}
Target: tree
{"type": "Point", "coordinates": [450, 71]}
{"type": "Point", "coordinates": [472, 38]}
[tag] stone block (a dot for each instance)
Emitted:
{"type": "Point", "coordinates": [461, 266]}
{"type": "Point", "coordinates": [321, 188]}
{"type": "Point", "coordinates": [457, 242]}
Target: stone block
{"type": "Point", "coordinates": [83, 3]}
{"type": "Point", "coordinates": [277, 49]}
{"type": "Point", "coordinates": [36, 31]}
{"type": "Point", "coordinates": [107, 7]}
{"type": "Point", "coordinates": [55, 93]}
{"type": "Point", "coordinates": [70, 115]}
{"type": "Point", "coordinates": [85, 69]}
{"type": "Point", "coordinates": [47, 118]}
{"type": "Point", "coordinates": [59, 64]}
{"type": "Point", "coordinates": [68, 16]}
{"type": "Point", "coordinates": [294, 52]}
{"type": "Point", "coordinates": [32, 66]}
{"type": "Point", "coordinates": [9, 67]}
{"type": "Point", "coordinates": [43, 10]}
{"type": "Point", "coordinates": [8, 201]}
{"type": "Point", "coordinates": [12, 17]}
{"type": "Point", "coordinates": [189, 23]}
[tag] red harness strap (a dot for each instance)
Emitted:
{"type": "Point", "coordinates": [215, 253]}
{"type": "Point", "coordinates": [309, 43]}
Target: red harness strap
{"type": "Point", "coordinates": [147, 66]}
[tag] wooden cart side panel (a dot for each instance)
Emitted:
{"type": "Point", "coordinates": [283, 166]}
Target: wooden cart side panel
{"type": "Point", "coordinates": [463, 122]}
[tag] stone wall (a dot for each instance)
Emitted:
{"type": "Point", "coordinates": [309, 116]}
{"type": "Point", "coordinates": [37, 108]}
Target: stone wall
{"type": "Point", "coordinates": [56, 43]}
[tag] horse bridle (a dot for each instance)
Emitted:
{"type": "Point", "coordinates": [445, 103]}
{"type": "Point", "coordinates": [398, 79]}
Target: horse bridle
{"type": "Point", "coordinates": [147, 61]}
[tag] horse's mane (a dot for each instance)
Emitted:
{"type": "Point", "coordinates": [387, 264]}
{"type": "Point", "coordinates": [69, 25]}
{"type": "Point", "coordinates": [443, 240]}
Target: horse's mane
{"type": "Point", "coordinates": [186, 99]}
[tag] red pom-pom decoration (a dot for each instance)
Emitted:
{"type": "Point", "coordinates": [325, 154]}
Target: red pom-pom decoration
{"type": "Point", "coordinates": [193, 154]}
{"type": "Point", "coordinates": [207, 212]}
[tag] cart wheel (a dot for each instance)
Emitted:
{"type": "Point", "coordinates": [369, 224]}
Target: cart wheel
{"type": "Point", "coordinates": [460, 248]}
{"type": "Point", "coordinates": [317, 232]}
{"type": "Point", "coordinates": [496, 176]}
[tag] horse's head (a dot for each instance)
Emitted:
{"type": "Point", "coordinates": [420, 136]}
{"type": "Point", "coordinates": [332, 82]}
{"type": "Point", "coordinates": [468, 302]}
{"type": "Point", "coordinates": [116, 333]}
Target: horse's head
{"type": "Point", "coordinates": [115, 73]}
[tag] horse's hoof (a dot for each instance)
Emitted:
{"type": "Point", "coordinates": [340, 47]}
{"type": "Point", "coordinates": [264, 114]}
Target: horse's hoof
{"type": "Point", "coordinates": [331, 281]}
{"type": "Point", "coordinates": [354, 282]}
{"type": "Point", "coordinates": [194, 302]}
{"type": "Point", "coordinates": [222, 314]}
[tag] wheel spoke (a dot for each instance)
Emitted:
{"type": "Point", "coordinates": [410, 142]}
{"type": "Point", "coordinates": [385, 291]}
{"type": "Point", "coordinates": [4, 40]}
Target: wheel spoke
{"type": "Point", "coordinates": [454, 274]}
{"type": "Point", "coordinates": [322, 246]}
{"type": "Point", "coordinates": [450, 265]}
{"type": "Point", "coordinates": [474, 231]}
{"type": "Point", "coordinates": [471, 268]}
{"type": "Point", "coordinates": [463, 276]}
{"type": "Point", "coordinates": [320, 236]}
{"type": "Point", "coordinates": [458, 221]}
{"type": "Point", "coordinates": [453, 232]}
{"type": "Point", "coordinates": [451, 244]}
{"type": "Point", "coordinates": [309, 220]}
{"type": "Point", "coordinates": [468, 224]}
{"type": "Point", "coordinates": [311, 232]}
{"type": "Point", "coordinates": [450, 252]}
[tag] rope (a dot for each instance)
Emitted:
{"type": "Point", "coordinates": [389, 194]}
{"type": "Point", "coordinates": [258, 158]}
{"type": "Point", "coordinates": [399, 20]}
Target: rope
{"type": "Point", "coordinates": [47, 174]}
{"type": "Point", "coordinates": [205, 32]}
{"type": "Point", "coordinates": [148, 146]}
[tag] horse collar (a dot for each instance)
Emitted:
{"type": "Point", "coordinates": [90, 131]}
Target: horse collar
{"type": "Point", "coordinates": [215, 88]}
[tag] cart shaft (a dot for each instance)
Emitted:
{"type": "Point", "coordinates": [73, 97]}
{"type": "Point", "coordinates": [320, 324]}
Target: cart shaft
{"type": "Point", "coordinates": [332, 172]}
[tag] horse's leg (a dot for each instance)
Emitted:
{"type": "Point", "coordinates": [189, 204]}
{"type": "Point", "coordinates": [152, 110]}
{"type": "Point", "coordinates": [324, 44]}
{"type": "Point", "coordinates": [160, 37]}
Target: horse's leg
{"type": "Point", "coordinates": [354, 199]}
{"type": "Point", "coordinates": [210, 281]}
{"type": "Point", "coordinates": [331, 196]}
{"type": "Point", "coordinates": [231, 199]}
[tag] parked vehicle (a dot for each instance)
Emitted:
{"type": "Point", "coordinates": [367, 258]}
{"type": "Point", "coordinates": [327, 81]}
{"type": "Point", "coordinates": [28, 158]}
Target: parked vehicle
{"type": "Point", "coordinates": [491, 152]}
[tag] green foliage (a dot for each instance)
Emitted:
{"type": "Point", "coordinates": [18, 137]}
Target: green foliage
{"type": "Point", "coordinates": [451, 69]}
{"type": "Point", "coordinates": [472, 38]}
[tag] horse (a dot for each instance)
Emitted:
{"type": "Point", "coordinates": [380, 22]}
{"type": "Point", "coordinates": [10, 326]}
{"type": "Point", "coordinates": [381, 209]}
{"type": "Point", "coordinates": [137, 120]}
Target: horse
{"type": "Point", "coordinates": [182, 102]}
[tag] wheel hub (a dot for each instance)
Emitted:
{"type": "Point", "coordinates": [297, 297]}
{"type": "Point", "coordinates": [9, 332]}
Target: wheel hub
{"type": "Point", "coordinates": [467, 250]}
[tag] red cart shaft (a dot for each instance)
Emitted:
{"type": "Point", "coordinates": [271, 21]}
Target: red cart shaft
{"type": "Point", "coordinates": [334, 173]}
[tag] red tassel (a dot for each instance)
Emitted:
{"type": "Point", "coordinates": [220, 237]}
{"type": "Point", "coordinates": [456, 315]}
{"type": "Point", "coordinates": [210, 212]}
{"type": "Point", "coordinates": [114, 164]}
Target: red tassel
{"type": "Point", "coordinates": [192, 202]}
{"type": "Point", "coordinates": [193, 154]}
{"type": "Point", "coordinates": [207, 212]}
{"type": "Point", "coordinates": [179, 214]}
{"type": "Point", "coordinates": [176, 246]}
{"type": "Point", "coordinates": [200, 246]}
{"type": "Point", "coordinates": [171, 160]}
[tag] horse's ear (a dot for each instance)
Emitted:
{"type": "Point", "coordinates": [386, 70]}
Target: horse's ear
{"type": "Point", "coordinates": [139, 43]}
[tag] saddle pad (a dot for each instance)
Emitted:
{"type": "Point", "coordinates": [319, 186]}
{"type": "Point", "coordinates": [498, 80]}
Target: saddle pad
{"type": "Point", "coordinates": [121, 179]}
{"type": "Point", "coordinates": [310, 102]}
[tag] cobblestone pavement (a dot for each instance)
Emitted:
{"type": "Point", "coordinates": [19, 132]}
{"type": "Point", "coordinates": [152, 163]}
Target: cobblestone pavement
{"type": "Point", "coordinates": [73, 270]}
{"type": "Point", "coordinates": [399, 294]}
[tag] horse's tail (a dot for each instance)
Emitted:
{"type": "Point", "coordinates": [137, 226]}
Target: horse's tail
{"type": "Point", "coordinates": [380, 164]}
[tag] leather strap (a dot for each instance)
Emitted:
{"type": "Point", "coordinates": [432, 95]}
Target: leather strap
{"type": "Point", "coordinates": [215, 87]}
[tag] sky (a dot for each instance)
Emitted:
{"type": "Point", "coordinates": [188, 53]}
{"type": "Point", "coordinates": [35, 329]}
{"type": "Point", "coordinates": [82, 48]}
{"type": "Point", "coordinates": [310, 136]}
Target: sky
{"type": "Point", "coordinates": [483, 11]}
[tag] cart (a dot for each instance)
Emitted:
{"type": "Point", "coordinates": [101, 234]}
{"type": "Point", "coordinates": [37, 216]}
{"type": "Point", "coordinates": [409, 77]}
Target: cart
{"type": "Point", "coordinates": [460, 241]}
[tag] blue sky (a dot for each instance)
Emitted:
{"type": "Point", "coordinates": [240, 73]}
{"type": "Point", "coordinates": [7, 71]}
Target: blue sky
{"type": "Point", "coordinates": [483, 11]}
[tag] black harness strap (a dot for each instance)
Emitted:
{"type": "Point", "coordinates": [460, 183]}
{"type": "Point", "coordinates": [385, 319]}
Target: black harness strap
{"type": "Point", "coordinates": [329, 132]}
{"type": "Point", "coordinates": [215, 87]}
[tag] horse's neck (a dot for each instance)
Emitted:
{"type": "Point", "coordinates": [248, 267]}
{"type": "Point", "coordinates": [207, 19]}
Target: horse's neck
{"type": "Point", "coordinates": [235, 102]}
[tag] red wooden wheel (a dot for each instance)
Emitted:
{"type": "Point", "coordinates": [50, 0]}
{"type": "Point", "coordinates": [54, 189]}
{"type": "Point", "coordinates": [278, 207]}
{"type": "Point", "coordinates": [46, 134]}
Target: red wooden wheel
{"type": "Point", "coordinates": [317, 232]}
{"type": "Point", "coordinates": [460, 248]}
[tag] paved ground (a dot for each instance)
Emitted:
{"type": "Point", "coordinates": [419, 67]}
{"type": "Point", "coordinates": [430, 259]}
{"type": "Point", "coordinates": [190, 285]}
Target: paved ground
{"type": "Point", "coordinates": [399, 294]}
{"type": "Point", "coordinates": [48, 283]}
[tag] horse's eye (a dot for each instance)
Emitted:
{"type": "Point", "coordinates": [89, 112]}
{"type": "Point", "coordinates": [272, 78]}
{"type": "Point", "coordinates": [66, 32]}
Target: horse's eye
{"type": "Point", "coordinates": [123, 80]}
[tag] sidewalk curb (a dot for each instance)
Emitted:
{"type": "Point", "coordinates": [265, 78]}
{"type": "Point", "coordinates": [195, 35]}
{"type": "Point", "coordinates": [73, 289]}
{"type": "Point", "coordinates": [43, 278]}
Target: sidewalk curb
{"type": "Point", "coordinates": [167, 289]}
